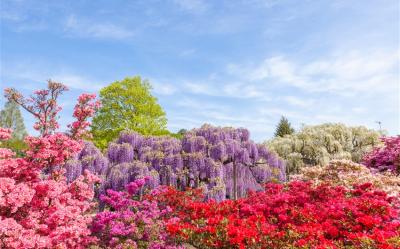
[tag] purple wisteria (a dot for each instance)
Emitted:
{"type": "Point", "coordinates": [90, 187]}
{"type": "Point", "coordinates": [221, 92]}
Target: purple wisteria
{"type": "Point", "coordinates": [89, 158]}
{"type": "Point", "coordinates": [224, 162]}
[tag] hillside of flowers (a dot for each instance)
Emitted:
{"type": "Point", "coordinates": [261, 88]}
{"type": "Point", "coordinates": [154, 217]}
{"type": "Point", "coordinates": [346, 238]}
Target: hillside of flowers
{"type": "Point", "coordinates": [328, 186]}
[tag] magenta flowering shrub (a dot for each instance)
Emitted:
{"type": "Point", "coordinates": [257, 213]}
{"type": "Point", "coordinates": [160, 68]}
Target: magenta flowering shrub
{"type": "Point", "coordinates": [130, 221]}
{"type": "Point", "coordinates": [386, 157]}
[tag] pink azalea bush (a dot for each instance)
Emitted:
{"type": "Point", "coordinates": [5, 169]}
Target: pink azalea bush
{"type": "Point", "coordinates": [386, 157]}
{"type": "Point", "coordinates": [39, 210]}
{"type": "Point", "coordinates": [348, 173]}
{"type": "Point", "coordinates": [4, 135]}
{"type": "Point", "coordinates": [131, 221]}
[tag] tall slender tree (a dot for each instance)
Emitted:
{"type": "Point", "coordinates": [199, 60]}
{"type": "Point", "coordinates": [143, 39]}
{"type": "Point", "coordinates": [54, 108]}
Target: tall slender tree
{"type": "Point", "coordinates": [10, 117]}
{"type": "Point", "coordinates": [283, 128]}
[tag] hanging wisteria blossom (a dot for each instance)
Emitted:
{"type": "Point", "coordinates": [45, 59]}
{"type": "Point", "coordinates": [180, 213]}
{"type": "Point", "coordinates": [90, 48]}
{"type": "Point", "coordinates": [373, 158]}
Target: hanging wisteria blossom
{"type": "Point", "coordinates": [224, 162]}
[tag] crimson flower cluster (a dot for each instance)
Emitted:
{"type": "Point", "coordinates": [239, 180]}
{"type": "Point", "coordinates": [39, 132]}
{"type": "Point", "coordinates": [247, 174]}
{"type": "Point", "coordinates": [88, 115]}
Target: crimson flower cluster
{"type": "Point", "coordinates": [297, 214]}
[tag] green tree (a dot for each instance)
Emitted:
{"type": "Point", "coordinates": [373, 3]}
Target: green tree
{"type": "Point", "coordinates": [11, 117]}
{"type": "Point", "coordinates": [127, 105]}
{"type": "Point", "coordinates": [283, 128]}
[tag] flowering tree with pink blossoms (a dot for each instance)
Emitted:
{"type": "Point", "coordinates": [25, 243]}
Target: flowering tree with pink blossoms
{"type": "Point", "coordinates": [386, 157]}
{"type": "Point", "coordinates": [39, 210]}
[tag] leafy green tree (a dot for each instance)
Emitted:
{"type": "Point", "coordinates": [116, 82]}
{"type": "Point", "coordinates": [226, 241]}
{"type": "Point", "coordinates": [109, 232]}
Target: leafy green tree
{"type": "Point", "coordinates": [317, 145]}
{"type": "Point", "coordinates": [127, 105]}
{"type": "Point", "coordinates": [11, 117]}
{"type": "Point", "coordinates": [283, 128]}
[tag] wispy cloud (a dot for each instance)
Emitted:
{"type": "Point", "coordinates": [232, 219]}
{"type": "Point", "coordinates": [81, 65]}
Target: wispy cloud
{"type": "Point", "coordinates": [193, 6]}
{"type": "Point", "coordinates": [37, 72]}
{"type": "Point", "coordinates": [163, 88]}
{"type": "Point", "coordinates": [187, 52]}
{"type": "Point", "coordinates": [352, 72]}
{"type": "Point", "coordinates": [300, 102]}
{"type": "Point", "coordinates": [93, 29]}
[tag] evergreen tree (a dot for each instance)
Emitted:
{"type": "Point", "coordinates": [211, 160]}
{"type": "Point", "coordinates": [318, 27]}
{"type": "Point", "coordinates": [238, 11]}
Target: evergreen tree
{"type": "Point", "coordinates": [10, 117]}
{"type": "Point", "coordinates": [283, 128]}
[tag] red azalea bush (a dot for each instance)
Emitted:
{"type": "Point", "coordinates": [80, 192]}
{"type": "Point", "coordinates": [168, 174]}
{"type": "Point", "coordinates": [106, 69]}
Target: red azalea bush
{"type": "Point", "coordinates": [38, 209]}
{"type": "Point", "coordinates": [297, 215]}
{"type": "Point", "coordinates": [386, 157]}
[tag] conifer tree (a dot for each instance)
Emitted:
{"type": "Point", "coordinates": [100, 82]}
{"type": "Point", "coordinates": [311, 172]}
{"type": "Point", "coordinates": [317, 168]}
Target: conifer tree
{"type": "Point", "coordinates": [283, 128]}
{"type": "Point", "coordinates": [11, 117]}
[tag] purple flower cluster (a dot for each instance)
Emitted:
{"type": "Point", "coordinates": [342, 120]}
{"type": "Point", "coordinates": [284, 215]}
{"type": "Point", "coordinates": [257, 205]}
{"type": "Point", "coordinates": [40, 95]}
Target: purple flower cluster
{"type": "Point", "coordinates": [130, 222]}
{"type": "Point", "coordinates": [89, 158]}
{"type": "Point", "coordinates": [222, 161]}
{"type": "Point", "coordinates": [386, 157]}
{"type": "Point", "coordinates": [226, 163]}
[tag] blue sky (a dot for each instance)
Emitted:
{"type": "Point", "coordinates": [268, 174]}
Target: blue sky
{"type": "Point", "coordinates": [228, 63]}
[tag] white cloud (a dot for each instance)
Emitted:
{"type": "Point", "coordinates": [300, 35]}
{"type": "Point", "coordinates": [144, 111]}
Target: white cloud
{"type": "Point", "coordinates": [187, 52]}
{"type": "Point", "coordinates": [193, 6]}
{"type": "Point", "coordinates": [352, 72]}
{"type": "Point", "coordinates": [194, 104]}
{"type": "Point", "coordinates": [77, 82]}
{"type": "Point", "coordinates": [37, 72]}
{"type": "Point", "coordinates": [163, 88]}
{"type": "Point", "coordinates": [240, 90]}
{"type": "Point", "coordinates": [229, 89]}
{"type": "Point", "coordinates": [300, 102]}
{"type": "Point", "coordinates": [199, 88]}
{"type": "Point", "coordinates": [91, 29]}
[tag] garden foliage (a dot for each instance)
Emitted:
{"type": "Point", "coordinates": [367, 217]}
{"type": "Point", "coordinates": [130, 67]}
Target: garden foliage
{"type": "Point", "coordinates": [214, 188]}
{"type": "Point", "coordinates": [317, 145]}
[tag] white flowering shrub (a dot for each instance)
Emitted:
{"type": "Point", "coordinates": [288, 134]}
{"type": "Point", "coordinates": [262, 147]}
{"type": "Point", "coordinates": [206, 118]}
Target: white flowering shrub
{"type": "Point", "coordinates": [317, 145]}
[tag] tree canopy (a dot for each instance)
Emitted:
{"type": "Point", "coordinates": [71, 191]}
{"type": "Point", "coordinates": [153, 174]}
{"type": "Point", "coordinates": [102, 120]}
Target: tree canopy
{"type": "Point", "coordinates": [127, 105]}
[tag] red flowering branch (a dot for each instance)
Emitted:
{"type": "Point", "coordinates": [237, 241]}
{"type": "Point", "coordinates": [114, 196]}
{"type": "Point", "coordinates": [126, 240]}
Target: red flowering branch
{"type": "Point", "coordinates": [42, 105]}
{"type": "Point", "coordinates": [84, 109]}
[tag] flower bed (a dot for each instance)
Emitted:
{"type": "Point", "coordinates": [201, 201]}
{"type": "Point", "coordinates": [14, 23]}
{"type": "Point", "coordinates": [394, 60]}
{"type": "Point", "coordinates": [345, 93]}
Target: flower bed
{"type": "Point", "coordinates": [298, 215]}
